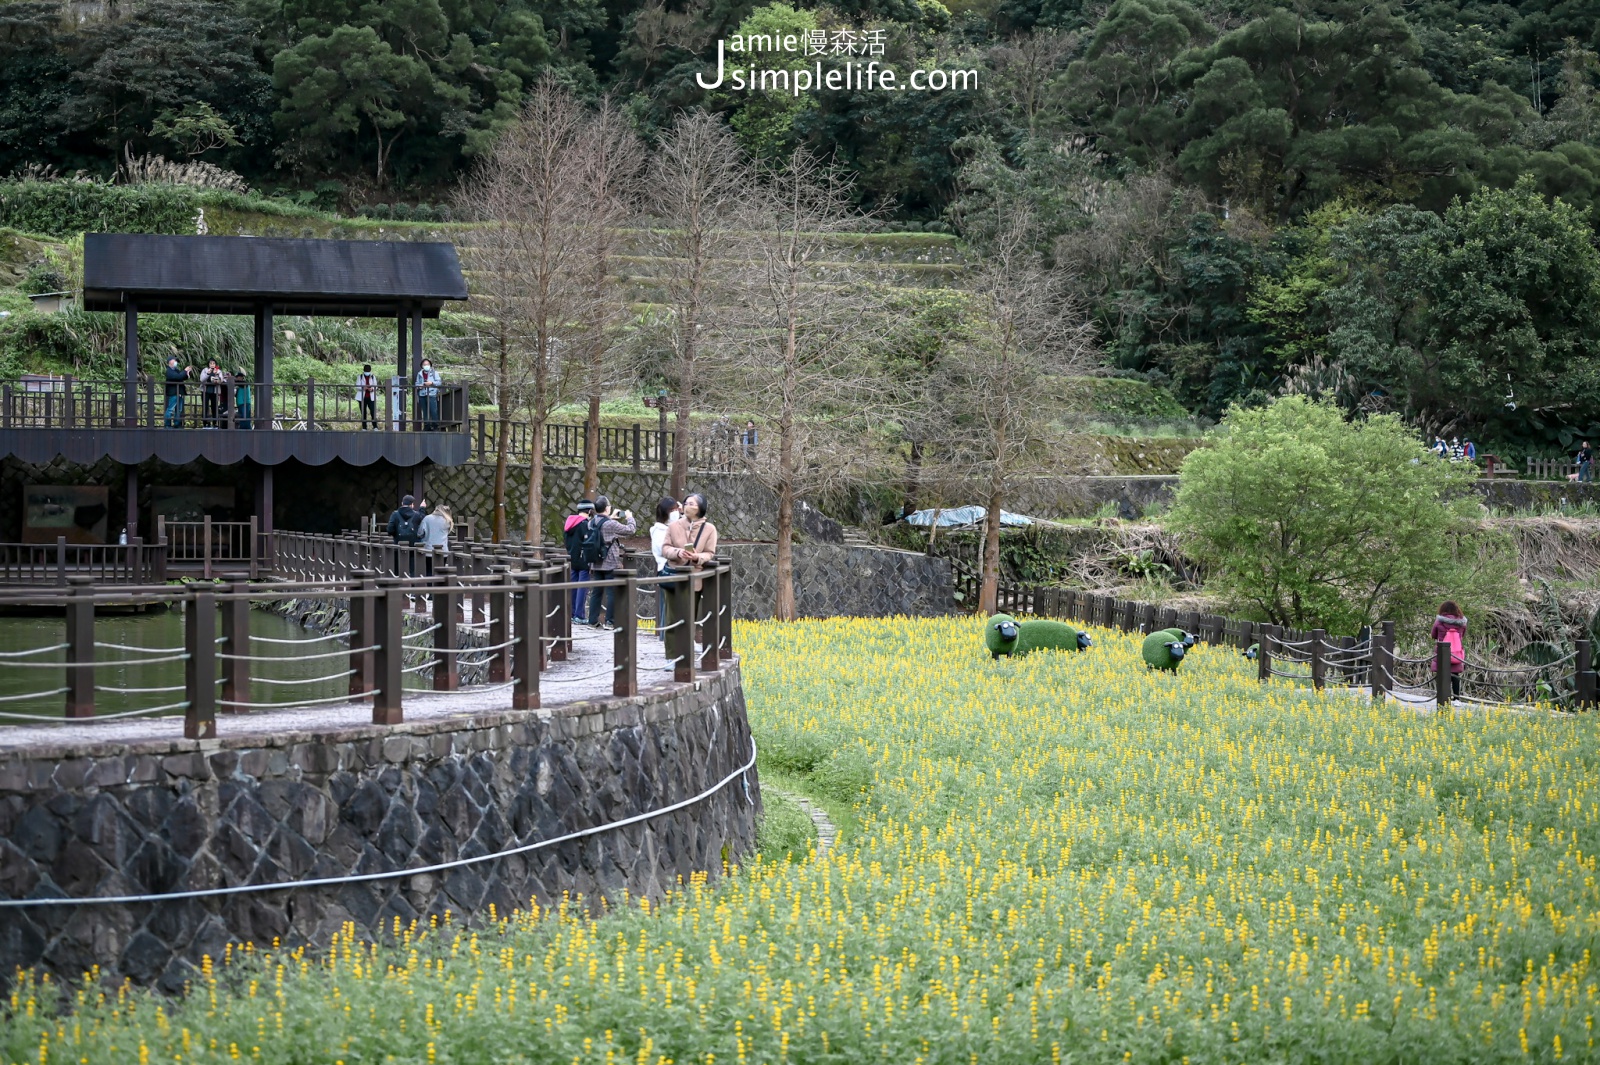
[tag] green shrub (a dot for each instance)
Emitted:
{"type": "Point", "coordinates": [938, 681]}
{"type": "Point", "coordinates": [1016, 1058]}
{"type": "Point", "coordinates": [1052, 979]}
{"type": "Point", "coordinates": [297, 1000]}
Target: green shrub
{"type": "Point", "coordinates": [65, 208]}
{"type": "Point", "coordinates": [785, 832]}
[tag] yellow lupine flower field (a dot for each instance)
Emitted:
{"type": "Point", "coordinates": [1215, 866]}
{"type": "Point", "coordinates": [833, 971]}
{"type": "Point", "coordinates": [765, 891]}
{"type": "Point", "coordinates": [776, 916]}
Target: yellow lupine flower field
{"type": "Point", "coordinates": [1061, 858]}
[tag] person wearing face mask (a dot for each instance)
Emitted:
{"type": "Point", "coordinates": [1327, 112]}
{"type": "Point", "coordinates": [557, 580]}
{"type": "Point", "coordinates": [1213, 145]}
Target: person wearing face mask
{"type": "Point", "coordinates": [667, 512]}
{"type": "Point", "coordinates": [428, 382]}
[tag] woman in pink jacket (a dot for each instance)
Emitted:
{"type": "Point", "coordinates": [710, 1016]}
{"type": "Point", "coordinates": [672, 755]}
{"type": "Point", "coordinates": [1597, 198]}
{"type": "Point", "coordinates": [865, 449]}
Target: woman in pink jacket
{"type": "Point", "coordinates": [1451, 627]}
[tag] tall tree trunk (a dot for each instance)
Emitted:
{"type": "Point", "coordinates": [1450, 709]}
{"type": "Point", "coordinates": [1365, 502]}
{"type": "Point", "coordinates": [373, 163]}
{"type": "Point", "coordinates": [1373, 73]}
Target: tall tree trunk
{"type": "Point", "coordinates": [591, 446]}
{"type": "Point", "coordinates": [913, 477]}
{"type": "Point", "coordinates": [502, 449]}
{"type": "Point", "coordinates": [989, 589]}
{"type": "Point", "coordinates": [533, 524]}
{"type": "Point", "coordinates": [783, 608]}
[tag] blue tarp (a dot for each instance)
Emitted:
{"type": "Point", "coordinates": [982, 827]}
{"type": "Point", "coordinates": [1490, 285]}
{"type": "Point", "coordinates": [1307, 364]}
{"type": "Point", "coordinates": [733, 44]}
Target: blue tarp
{"type": "Point", "coordinates": [957, 517]}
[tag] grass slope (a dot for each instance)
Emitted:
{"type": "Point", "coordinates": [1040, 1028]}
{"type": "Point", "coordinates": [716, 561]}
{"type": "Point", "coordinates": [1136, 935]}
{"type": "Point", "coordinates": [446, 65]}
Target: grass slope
{"type": "Point", "coordinates": [1066, 857]}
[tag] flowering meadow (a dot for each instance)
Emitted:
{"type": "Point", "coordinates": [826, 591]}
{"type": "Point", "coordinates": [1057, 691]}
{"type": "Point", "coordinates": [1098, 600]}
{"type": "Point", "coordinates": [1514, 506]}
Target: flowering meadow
{"type": "Point", "coordinates": [1061, 858]}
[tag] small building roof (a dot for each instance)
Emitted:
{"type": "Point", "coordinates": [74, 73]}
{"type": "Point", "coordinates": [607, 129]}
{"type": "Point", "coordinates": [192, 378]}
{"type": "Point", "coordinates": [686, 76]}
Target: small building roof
{"type": "Point", "coordinates": [239, 275]}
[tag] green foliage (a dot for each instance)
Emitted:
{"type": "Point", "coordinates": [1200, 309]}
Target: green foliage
{"type": "Point", "coordinates": [785, 832]}
{"type": "Point", "coordinates": [764, 121]}
{"type": "Point", "coordinates": [1120, 397]}
{"type": "Point", "coordinates": [1303, 518]}
{"type": "Point", "coordinates": [68, 208]}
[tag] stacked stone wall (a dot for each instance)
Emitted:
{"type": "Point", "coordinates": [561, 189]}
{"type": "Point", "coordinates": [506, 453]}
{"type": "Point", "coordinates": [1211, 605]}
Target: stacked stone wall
{"type": "Point", "coordinates": [159, 817]}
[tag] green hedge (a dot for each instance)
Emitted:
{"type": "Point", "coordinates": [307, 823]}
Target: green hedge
{"type": "Point", "coordinates": [1121, 397]}
{"type": "Point", "coordinates": [66, 208]}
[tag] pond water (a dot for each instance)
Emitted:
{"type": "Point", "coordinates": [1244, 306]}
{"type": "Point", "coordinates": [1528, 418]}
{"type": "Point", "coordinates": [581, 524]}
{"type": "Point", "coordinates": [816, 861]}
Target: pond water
{"type": "Point", "coordinates": [159, 631]}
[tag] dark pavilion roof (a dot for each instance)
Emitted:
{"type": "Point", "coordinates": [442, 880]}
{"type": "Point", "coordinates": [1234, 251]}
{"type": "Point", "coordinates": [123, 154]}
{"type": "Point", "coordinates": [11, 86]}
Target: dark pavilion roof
{"type": "Point", "coordinates": [239, 275]}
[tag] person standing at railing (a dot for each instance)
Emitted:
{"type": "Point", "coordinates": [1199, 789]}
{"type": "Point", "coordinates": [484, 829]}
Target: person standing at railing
{"type": "Point", "coordinates": [667, 512]}
{"type": "Point", "coordinates": [175, 392]}
{"type": "Point", "coordinates": [405, 527]}
{"type": "Point", "coordinates": [367, 395]}
{"type": "Point", "coordinates": [692, 542]}
{"type": "Point", "coordinates": [428, 382]}
{"type": "Point", "coordinates": [572, 534]}
{"type": "Point", "coordinates": [610, 566]}
{"type": "Point", "coordinates": [436, 530]}
{"type": "Point", "coordinates": [242, 398]}
{"type": "Point", "coordinates": [1585, 460]}
{"type": "Point", "coordinates": [212, 380]}
{"type": "Point", "coordinates": [750, 439]}
{"type": "Point", "coordinates": [1451, 627]}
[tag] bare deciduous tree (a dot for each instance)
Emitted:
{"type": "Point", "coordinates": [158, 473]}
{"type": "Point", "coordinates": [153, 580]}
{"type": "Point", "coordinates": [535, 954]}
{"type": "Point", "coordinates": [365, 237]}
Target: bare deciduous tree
{"type": "Point", "coordinates": [608, 165]}
{"type": "Point", "coordinates": [526, 264]}
{"type": "Point", "coordinates": [699, 181]}
{"type": "Point", "coordinates": [797, 355]}
{"type": "Point", "coordinates": [1023, 334]}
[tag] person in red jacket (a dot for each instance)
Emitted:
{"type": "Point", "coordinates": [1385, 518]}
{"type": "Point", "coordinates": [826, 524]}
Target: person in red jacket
{"type": "Point", "coordinates": [1451, 627]}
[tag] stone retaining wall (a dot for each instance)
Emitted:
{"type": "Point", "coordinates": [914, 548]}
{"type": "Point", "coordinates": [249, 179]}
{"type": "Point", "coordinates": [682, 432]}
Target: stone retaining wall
{"type": "Point", "coordinates": [167, 816]}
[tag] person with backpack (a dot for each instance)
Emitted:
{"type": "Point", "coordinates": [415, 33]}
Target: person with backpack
{"type": "Point", "coordinates": [405, 527]}
{"type": "Point", "coordinates": [367, 395]}
{"type": "Point", "coordinates": [1451, 627]}
{"type": "Point", "coordinates": [572, 533]}
{"type": "Point", "coordinates": [609, 532]}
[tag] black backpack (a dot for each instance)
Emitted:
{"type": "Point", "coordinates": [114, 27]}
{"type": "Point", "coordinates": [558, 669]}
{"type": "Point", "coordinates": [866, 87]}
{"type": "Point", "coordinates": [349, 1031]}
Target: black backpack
{"type": "Point", "coordinates": [592, 545]}
{"type": "Point", "coordinates": [408, 524]}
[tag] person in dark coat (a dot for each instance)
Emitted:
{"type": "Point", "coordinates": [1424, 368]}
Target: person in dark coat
{"type": "Point", "coordinates": [175, 392]}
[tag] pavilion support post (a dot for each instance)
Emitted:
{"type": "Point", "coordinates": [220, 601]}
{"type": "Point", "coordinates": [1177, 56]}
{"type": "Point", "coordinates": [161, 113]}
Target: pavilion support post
{"type": "Point", "coordinates": [400, 368]}
{"type": "Point", "coordinates": [130, 360]}
{"type": "Point", "coordinates": [262, 415]}
{"type": "Point", "coordinates": [416, 482]}
{"type": "Point", "coordinates": [130, 481]}
{"type": "Point", "coordinates": [264, 500]}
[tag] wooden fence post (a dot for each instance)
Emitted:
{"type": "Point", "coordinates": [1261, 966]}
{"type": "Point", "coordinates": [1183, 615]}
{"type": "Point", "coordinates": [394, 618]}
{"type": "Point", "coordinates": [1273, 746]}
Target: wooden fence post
{"type": "Point", "coordinates": [446, 641]}
{"type": "Point", "coordinates": [80, 647]}
{"type": "Point", "coordinates": [526, 614]}
{"type": "Point", "coordinates": [1441, 677]}
{"type": "Point", "coordinates": [1583, 681]}
{"type": "Point", "coordinates": [236, 638]}
{"type": "Point", "coordinates": [1383, 660]}
{"type": "Point", "coordinates": [625, 641]}
{"type": "Point", "coordinates": [1263, 652]}
{"type": "Point", "coordinates": [499, 624]}
{"type": "Point", "coordinates": [724, 566]}
{"type": "Point", "coordinates": [200, 668]}
{"type": "Point", "coordinates": [390, 655]}
{"type": "Point", "coordinates": [680, 627]}
{"type": "Point", "coordinates": [705, 615]}
{"type": "Point", "coordinates": [363, 632]}
{"type": "Point", "coordinates": [1319, 663]}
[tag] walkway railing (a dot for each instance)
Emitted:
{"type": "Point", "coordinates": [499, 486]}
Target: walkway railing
{"type": "Point", "coordinates": [53, 564]}
{"type": "Point", "coordinates": [74, 403]}
{"type": "Point", "coordinates": [635, 446]}
{"type": "Point", "coordinates": [521, 615]}
{"type": "Point", "coordinates": [1367, 660]}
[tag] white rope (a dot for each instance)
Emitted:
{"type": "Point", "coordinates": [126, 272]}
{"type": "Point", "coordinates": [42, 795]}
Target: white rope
{"type": "Point", "coordinates": [98, 717]}
{"type": "Point", "coordinates": [139, 691]}
{"type": "Point", "coordinates": [301, 702]}
{"type": "Point", "coordinates": [341, 653]}
{"type": "Point", "coordinates": [35, 651]}
{"type": "Point", "coordinates": [131, 647]}
{"type": "Point", "coordinates": [360, 878]}
{"type": "Point", "coordinates": [429, 664]}
{"type": "Point", "coordinates": [314, 639]}
{"type": "Point", "coordinates": [31, 695]}
{"type": "Point", "coordinates": [491, 647]}
{"type": "Point", "coordinates": [586, 676]}
{"type": "Point", "coordinates": [420, 632]}
{"type": "Point", "coordinates": [305, 680]}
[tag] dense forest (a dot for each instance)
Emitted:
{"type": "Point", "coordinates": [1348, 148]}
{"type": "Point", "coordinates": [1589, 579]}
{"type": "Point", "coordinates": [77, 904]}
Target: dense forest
{"type": "Point", "coordinates": [1393, 205]}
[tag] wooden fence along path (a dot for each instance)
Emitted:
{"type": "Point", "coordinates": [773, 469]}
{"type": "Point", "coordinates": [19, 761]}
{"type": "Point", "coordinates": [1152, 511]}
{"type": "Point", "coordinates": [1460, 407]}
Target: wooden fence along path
{"type": "Point", "coordinates": [516, 599]}
{"type": "Point", "coordinates": [1368, 660]}
{"type": "Point", "coordinates": [718, 449]}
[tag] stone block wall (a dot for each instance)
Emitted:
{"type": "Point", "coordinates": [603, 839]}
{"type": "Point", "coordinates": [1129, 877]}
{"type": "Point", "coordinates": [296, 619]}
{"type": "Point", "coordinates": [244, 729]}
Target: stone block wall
{"type": "Point", "coordinates": [840, 580]}
{"type": "Point", "coordinates": [741, 507]}
{"type": "Point", "coordinates": [173, 815]}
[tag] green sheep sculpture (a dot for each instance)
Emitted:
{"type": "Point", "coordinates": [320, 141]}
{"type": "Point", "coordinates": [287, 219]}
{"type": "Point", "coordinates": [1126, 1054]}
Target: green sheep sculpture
{"type": "Point", "coordinates": [1005, 635]}
{"type": "Point", "coordinates": [1165, 648]}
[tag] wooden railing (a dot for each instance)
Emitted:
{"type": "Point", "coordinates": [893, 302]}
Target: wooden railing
{"type": "Point", "coordinates": [215, 545]}
{"type": "Point", "coordinates": [44, 565]}
{"type": "Point", "coordinates": [525, 615]}
{"type": "Point", "coordinates": [1551, 469]}
{"type": "Point", "coordinates": [72, 403]}
{"type": "Point", "coordinates": [635, 446]}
